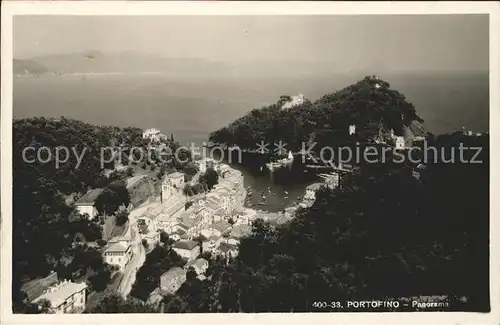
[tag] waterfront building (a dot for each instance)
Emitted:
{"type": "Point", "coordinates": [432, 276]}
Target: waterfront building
{"type": "Point", "coordinates": [152, 134]}
{"type": "Point", "coordinates": [399, 142]}
{"type": "Point", "coordinates": [187, 249]}
{"type": "Point", "coordinates": [311, 191]}
{"type": "Point", "coordinates": [172, 280]}
{"type": "Point", "coordinates": [86, 204]}
{"type": "Point", "coordinates": [65, 297]}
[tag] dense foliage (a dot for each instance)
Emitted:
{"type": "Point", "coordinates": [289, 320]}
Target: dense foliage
{"type": "Point", "coordinates": [158, 261]}
{"type": "Point", "coordinates": [45, 226]}
{"type": "Point", "coordinates": [370, 104]}
{"type": "Point", "coordinates": [382, 234]}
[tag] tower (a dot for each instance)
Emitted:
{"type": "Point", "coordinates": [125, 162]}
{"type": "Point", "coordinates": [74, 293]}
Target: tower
{"type": "Point", "coordinates": [166, 190]}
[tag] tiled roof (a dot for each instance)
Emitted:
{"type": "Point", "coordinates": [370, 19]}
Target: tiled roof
{"type": "Point", "coordinates": [221, 225]}
{"type": "Point", "coordinates": [63, 291]}
{"type": "Point", "coordinates": [117, 247]}
{"type": "Point", "coordinates": [185, 244]}
{"type": "Point", "coordinates": [171, 210]}
{"type": "Point", "coordinates": [90, 197]}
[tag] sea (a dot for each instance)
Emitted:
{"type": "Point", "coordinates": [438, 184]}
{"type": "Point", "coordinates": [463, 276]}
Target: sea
{"type": "Point", "coordinates": [190, 109]}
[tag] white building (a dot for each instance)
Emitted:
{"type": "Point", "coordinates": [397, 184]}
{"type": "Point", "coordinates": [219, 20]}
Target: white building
{"type": "Point", "coordinates": [86, 204]}
{"type": "Point", "coordinates": [65, 297]}
{"type": "Point", "coordinates": [187, 249]}
{"type": "Point", "coordinates": [311, 191]}
{"type": "Point", "coordinates": [173, 184]}
{"type": "Point", "coordinates": [152, 134]}
{"type": "Point", "coordinates": [399, 142]}
{"type": "Point", "coordinates": [118, 253]}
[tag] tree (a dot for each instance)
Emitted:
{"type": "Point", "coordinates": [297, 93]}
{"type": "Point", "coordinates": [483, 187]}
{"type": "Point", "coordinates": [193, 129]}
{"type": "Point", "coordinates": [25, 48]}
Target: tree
{"type": "Point", "coordinates": [115, 304]}
{"type": "Point", "coordinates": [145, 244]}
{"type": "Point", "coordinates": [100, 280]}
{"type": "Point", "coordinates": [121, 217]}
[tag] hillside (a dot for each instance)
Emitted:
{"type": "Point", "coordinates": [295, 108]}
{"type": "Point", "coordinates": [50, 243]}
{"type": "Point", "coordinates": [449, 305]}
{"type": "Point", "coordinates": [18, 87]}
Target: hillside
{"type": "Point", "coordinates": [28, 67]}
{"type": "Point", "coordinates": [370, 104]}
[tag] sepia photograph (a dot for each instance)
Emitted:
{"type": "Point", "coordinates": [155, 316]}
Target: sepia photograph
{"type": "Point", "coordinates": [249, 163]}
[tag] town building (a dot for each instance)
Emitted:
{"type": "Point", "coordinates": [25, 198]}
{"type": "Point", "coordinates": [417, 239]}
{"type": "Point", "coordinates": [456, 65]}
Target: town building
{"type": "Point", "coordinates": [152, 134]}
{"type": "Point", "coordinates": [311, 191]}
{"type": "Point", "coordinates": [187, 249]}
{"type": "Point", "coordinates": [172, 280]}
{"type": "Point", "coordinates": [200, 265]}
{"type": "Point", "coordinates": [172, 185]}
{"type": "Point", "coordinates": [399, 142]}
{"type": "Point", "coordinates": [118, 253]}
{"type": "Point", "coordinates": [152, 238]}
{"type": "Point", "coordinates": [86, 204]}
{"type": "Point", "coordinates": [65, 297]}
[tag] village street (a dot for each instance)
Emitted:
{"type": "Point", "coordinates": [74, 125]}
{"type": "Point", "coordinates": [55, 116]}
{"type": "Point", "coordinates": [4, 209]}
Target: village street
{"type": "Point", "coordinates": [138, 251]}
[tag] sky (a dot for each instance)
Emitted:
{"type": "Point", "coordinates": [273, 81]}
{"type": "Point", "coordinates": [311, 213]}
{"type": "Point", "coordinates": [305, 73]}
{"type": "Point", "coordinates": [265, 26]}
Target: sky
{"type": "Point", "coordinates": [397, 42]}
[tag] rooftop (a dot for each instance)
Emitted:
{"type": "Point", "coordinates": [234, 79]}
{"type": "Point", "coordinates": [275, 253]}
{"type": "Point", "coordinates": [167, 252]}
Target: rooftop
{"type": "Point", "coordinates": [224, 247]}
{"type": "Point", "coordinates": [221, 225]}
{"type": "Point", "coordinates": [117, 248]}
{"type": "Point", "coordinates": [173, 273]}
{"type": "Point", "coordinates": [60, 293]}
{"type": "Point", "coordinates": [199, 262]}
{"type": "Point", "coordinates": [171, 210]}
{"type": "Point", "coordinates": [185, 244]}
{"type": "Point", "coordinates": [242, 230]}
{"type": "Point", "coordinates": [175, 175]}
{"type": "Point", "coordinates": [90, 197]}
{"type": "Point", "coordinates": [314, 187]}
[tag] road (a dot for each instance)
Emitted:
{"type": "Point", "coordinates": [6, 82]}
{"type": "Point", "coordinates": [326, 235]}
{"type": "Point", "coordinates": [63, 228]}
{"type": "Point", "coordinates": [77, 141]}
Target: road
{"type": "Point", "coordinates": [138, 251]}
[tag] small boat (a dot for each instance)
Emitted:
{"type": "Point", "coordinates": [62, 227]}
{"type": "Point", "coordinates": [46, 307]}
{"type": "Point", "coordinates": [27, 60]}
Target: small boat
{"type": "Point", "coordinates": [261, 168]}
{"type": "Point", "coordinates": [261, 203]}
{"type": "Point", "coordinates": [286, 192]}
{"type": "Point", "coordinates": [286, 197]}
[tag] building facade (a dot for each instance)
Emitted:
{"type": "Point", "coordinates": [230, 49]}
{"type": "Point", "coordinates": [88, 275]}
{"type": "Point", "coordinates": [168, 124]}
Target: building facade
{"type": "Point", "coordinates": [65, 297]}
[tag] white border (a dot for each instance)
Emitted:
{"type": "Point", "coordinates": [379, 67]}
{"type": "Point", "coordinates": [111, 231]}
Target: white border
{"type": "Point", "coordinates": [10, 8]}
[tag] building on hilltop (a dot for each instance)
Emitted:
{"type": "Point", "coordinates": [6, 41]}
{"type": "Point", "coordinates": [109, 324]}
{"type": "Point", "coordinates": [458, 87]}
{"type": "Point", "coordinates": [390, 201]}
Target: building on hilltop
{"type": "Point", "coordinates": [86, 204]}
{"type": "Point", "coordinates": [65, 297]}
{"type": "Point", "coordinates": [152, 134]}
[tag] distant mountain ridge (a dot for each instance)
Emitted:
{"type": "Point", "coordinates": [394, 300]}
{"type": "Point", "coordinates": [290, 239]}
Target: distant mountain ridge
{"type": "Point", "coordinates": [28, 67]}
{"type": "Point", "coordinates": [124, 62]}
